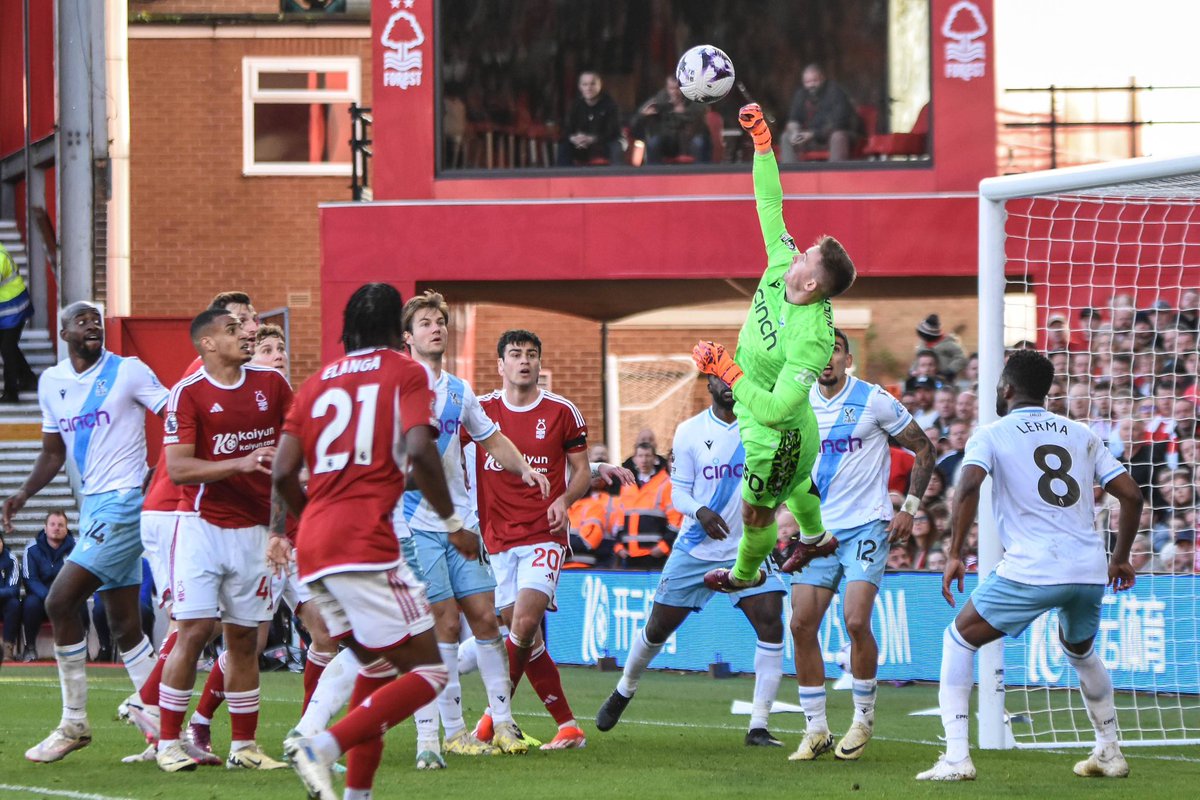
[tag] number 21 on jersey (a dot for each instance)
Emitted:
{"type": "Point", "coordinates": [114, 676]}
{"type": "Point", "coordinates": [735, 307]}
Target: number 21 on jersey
{"type": "Point", "coordinates": [339, 402]}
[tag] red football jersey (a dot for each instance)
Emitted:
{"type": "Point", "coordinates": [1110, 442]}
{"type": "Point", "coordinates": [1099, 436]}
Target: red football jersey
{"type": "Point", "coordinates": [227, 422]}
{"type": "Point", "coordinates": [162, 494]}
{"type": "Point", "coordinates": [512, 514]}
{"type": "Point", "coordinates": [351, 419]}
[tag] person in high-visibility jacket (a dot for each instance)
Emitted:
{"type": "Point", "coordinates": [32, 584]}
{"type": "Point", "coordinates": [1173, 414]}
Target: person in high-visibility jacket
{"type": "Point", "coordinates": [15, 308]}
{"type": "Point", "coordinates": [595, 521]}
{"type": "Point", "coordinates": [651, 522]}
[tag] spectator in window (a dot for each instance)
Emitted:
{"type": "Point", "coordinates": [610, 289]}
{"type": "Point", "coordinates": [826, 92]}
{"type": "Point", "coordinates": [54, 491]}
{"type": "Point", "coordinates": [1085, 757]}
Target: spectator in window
{"type": "Point", "coordinates": [672, 126]}
{"type": "Point", "coordinates": [44, 559]}
{"type": "Point", "coordinates": [10, 600]}
{"type": "Point", "coordinates": [822, 117]}
{"type": "Point", "coordinates": [951, 358]}
{"type": "Point", "coordinates": [592, 131]}
{"type": "Point", "coordinates": [923, 388]}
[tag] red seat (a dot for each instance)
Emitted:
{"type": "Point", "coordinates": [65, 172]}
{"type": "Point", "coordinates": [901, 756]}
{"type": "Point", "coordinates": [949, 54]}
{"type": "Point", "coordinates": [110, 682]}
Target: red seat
{"type": "Point", "coordinates": [913, 143]}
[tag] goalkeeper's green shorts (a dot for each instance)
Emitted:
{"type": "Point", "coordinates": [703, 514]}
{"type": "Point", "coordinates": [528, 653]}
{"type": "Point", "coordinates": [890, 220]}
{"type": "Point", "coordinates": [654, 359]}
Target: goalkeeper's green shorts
{"type": "Point", "coordinates": [778, 463]}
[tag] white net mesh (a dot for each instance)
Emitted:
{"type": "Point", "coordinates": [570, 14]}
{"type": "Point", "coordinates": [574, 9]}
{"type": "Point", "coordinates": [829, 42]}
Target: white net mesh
{"type": "Point", "coordinates": [654, 392]}
{"type": "Point", "coordinates": [1105, 281]}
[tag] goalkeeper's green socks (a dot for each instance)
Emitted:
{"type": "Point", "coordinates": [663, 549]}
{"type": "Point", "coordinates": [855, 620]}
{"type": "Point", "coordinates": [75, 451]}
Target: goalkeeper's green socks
{"type": "Point", "coordinates": [756, 545]}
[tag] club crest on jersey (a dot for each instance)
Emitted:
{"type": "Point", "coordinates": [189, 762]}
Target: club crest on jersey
{"type": "Point", "coordinates": [101, 387]}
{"type": "Point", "coordinates": [171, 425]}
{"type": "Point", "coordinates": [541, 429]}
{"type": "Point", "coordinates": [850, 415]}
{"type": "Point", "coordinates": [261, 399]}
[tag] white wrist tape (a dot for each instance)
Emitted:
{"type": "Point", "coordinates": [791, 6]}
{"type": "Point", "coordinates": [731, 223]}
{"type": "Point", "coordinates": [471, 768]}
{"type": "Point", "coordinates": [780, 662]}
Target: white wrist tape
{"type": "Point", "coordinates": [911, 504]}
{"type": "Point", "coordinates": [453, 523]}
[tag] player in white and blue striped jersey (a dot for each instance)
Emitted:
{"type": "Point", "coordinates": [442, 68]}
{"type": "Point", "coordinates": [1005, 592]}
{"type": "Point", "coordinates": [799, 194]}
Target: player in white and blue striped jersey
{"type": "Point", "coordinates": [1043, 470]}
{"type": "Point", "coordinates": [94, 406]}
{"type": "Point", "coordinates": [706, 475]}
{"type": "Point", "coordinates": [857, 421]}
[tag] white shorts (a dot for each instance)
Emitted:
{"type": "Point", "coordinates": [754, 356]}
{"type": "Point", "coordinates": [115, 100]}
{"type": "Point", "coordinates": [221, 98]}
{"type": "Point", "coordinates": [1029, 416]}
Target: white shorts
{"type": "Point", "coordinates": [221, 573]}
{"type": "Point", "coordinates": [381, 609]}
{"type": "Point", "coordinates": [288, 588]}
{"type": "Point", "coordinates": [158, 537]}
{"type": "Point", "coordinates": [531, 566]}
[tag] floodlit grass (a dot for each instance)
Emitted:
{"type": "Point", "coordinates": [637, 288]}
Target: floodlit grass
{"type": "Point", "coordinates": [677, 739]}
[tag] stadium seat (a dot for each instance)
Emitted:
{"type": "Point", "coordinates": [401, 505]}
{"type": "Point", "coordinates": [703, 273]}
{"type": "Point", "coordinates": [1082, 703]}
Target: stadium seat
{"type": "Point", "coordinates": [868, 115]}
{"type": "Point", "coordinates": [911, 144]}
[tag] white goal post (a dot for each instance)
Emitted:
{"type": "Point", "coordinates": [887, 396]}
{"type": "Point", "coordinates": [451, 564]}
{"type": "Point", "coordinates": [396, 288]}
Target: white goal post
{"type": "Point", "coordinates": [1069, 238]}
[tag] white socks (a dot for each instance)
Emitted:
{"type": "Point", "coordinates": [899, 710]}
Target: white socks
{"type": "Point", "coordinates": [333, 691]}
{"type": "Point", "coordinates": [1095, 684]}
{"type": "Point", "coordinates": [468, 656]}
{"type": "Point", "coordinates": [449, 702]}
{"type": "Point", "coordinates": [426, 719]}
{"type": "Point", "coordinates": [864, 701]}
{"type": "Point", "coordinates": [139, 662]}
{"type": "Point", "coordinates": [72, 676]}
{"type": "Point", "coordinates": [954, 692]}
{"type": "Point", "coordinates": [768, 671]}
{"type": "Point", "coordinates": [812, 700]}
{"type": "Point", "coordinates": [492, 658]}
{"type": "Point", "coordinates": [640, 655]}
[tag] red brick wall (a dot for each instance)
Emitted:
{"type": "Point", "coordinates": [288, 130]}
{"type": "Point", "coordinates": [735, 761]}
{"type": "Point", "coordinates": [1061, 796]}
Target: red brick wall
{"type": "Point", "coordinates": [199, 226]}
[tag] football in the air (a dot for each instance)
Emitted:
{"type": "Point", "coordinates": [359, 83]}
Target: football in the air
{"type": "Point", "coordinates": [705, 74]}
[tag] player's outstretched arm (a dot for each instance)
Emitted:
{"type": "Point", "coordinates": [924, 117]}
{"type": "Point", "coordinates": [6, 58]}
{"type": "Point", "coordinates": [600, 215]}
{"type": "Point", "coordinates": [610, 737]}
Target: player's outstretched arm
{"type": "Point", "coordinates": [49, 461]}
{"type": "Point", "coordinates": [604, 474]}
{"type": "Point", "coordinates": [914, 439]}
{"type": "Point", "coordinates": [966, 505]}
{"type": "Point", "coordinates": [1121, 574]}
{"type": "Point", "coordinates": [506, 454]}
{"type": "Point", "coordinates": [768, 190]}
{"type": "Point", "coordinates": [577, 486]}
{"type": "Point", "coordinates": [183, 466]}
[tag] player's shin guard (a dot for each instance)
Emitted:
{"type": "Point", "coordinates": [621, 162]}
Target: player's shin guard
{"type": "Point", "coordinates": [954, 692]}
{"type": "Point", "coordinates": [390, 704]}
{"type": "Point", "coordinates": [768, 672]}
{"type": "Point", "coordinates": [333, 691]}
{"type": "Point", "coordinates": [493, 669]}
{"type": "Point", "coordinates": [173, 704]}
{"type": "Point", "coordinates": [213, 693]}
{"type": "Point", "coordinates": [362, 761]}
{"type": "Point", "coordinates": [314, 667]}
{"type": "Point", "coordinates": [243, 717]}
{"type": "Point", "coordinates": [641, 653]}
{"type": "Point", "coordinates": [518, 657]}
{"type": "Point", "coordinates": [149, 689]}
{"type": "Point", "coordinates": [139, 662]}
{"type": "Point", "coordinates": [805, 505]}
{"type": "Point", "coordinates": [1095, 684]}
{"type": "Point", "coordinates": [812, 701]}
{"type": "Point", "coordinates": [449, 701]}
{"type": "Point", "coordinates": [545, 680]}
{"type": "Point", "coordinates": [72, 677]}
{"type": "Point", "coordinates": [757, 543]}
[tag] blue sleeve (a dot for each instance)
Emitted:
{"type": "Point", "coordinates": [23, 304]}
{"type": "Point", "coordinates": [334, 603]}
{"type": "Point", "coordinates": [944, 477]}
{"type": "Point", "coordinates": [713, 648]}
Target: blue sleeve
{"type": "Point", "coordinates": [11, 589]}
{"type": "Point", "coordinates": [34, 578]}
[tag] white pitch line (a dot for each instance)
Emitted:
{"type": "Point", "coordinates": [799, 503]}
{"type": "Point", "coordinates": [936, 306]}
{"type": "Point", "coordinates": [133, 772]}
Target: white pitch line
{"type": "Point", "coordinates": [8, 787]}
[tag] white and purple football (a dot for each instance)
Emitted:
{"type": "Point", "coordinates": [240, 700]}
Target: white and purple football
{"type": "Point", "coordinates": [705, 74]}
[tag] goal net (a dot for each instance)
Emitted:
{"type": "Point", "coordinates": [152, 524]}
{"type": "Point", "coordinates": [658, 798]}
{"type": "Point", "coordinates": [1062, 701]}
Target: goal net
{"type": "Point", "coordinates": [1099, 268]}
{"type": "Point", "coordinates": [654, 392]}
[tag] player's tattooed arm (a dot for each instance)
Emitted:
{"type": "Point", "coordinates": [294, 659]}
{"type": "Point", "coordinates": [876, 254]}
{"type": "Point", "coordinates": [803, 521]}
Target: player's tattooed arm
{"type": "Point", "coordinates": [914, 439]}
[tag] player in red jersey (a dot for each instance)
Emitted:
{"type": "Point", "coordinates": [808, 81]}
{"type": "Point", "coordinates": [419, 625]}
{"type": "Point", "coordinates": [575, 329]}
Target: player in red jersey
{"type": "Point", "coordinates": [353, 423]}
{"type": "Point", "coordinates": [160, 512]}
{"type": "Point", "coordinates": [525, 533]}
{"type": "Point", "coordinates": [221, 429]}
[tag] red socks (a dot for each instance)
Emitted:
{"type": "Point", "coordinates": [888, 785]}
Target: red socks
{"type": "Point", "coordinates": [149, 690]}
{"type": "Point", "coordinates": [545, 680]}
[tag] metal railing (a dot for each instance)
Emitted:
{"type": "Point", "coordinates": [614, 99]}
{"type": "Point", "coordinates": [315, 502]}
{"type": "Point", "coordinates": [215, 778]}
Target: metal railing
{"type": "Point", "coordinates": [360, 152]}
{"type": "Point", "coordinates": [1060, 126]}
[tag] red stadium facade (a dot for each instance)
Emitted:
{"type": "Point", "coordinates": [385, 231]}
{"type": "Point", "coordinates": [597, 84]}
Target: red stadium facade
{"type": "Point", "coordinates": [606, 246]}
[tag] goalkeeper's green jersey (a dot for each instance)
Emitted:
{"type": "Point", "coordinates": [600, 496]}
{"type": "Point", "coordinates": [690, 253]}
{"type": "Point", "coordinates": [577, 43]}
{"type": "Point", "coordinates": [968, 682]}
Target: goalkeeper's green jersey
{"type": "Point", "coordinates": [782, 347]}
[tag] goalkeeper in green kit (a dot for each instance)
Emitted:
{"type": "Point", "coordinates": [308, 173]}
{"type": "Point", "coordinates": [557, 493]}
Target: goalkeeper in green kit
{"type": "Point", "coordinates": [785, 343]}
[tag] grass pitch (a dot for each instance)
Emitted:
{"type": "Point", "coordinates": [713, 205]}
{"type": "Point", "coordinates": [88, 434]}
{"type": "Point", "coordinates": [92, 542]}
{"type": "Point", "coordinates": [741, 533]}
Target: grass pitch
{"type": "Point", "coordinates": [677, 739]}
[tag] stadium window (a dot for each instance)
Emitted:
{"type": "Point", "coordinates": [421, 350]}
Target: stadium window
{"type": "Point", "coordinates": [508, 75]}
{"type": "Point", "coordinates": [296, 114]}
